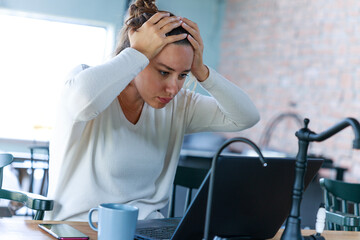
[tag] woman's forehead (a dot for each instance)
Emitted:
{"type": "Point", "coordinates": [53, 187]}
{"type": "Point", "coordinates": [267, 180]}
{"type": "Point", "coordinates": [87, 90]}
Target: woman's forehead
{"type": "Point", "coordinates": [175, 56]}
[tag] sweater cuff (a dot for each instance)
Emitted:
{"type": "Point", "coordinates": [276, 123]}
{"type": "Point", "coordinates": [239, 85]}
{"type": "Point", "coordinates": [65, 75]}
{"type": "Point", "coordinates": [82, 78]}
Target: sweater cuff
{"type": "Point", "coordinates": [210, 81]}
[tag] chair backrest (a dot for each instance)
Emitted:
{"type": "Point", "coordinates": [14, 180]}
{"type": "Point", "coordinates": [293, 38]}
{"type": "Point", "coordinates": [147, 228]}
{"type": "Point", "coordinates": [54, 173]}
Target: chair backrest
{"type": "Point", "coordinates": [190, 178]}
{"type": "Point", "coordinates": [5, 159]}
{"type": "Point", "coordinates": [33, 201]}
{"type": "Point", "coordinates": [342, 204]}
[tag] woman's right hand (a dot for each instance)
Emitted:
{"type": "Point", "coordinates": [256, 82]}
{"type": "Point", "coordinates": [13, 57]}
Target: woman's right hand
{"type": "Point", "coordinates": [151, 37]}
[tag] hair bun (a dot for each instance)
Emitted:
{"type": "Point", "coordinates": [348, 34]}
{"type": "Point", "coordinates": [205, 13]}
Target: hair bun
{"type": "Point", "coordinates": [150, 4]}
{"type": "Point", "coordinates": [139, 7]}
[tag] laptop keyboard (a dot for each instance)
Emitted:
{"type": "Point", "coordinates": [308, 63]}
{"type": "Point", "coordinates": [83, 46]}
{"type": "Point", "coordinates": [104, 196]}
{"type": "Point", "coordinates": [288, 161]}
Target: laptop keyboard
{"type": "Point", "coordinates": [157, 233]}
{"type": "Point", "coordinates": [159, 229]}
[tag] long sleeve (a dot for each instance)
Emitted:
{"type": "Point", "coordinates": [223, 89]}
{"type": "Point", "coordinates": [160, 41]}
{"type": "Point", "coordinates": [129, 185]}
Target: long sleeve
{"type": "Point", "coordinates": [229, 108]}
{"type": "Point", "coordinates": [88, 92]}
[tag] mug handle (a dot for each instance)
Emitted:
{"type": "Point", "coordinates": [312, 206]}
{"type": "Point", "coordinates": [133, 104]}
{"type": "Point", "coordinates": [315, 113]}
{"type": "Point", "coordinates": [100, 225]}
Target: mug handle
{"type": "Point", "coordinates": [90, 220]}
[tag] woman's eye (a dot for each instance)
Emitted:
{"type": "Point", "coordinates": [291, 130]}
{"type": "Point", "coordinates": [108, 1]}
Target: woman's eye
{"type": "Point", "coordinates": [163, 73]}
{"type": "Point", "coordinates": [182, 76]}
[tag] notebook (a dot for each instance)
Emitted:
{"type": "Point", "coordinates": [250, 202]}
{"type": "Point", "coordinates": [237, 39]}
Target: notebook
{"type": "Point", "coordinates": [249, 202]}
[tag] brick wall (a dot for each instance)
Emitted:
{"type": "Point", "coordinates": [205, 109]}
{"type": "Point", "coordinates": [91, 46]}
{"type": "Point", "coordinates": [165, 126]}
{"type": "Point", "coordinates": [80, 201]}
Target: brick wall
{"type": "Point", "coordinates": [302, 57]}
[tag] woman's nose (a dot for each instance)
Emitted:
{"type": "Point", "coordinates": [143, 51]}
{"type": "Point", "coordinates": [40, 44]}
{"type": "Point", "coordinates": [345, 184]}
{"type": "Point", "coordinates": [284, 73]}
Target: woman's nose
{"type": "Point", "coordinates": [172, 86]}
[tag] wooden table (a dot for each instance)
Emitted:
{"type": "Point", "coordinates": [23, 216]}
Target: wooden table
{"type": "Point", "coordinates": [329, 235]}
{"type": "Point", "coordinates": [28, 229]}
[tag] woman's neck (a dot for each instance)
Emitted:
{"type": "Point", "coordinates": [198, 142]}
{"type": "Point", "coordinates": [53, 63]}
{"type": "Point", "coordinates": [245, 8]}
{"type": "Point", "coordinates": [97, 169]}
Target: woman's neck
{"type": "Point", "coordinates": [131, 103]}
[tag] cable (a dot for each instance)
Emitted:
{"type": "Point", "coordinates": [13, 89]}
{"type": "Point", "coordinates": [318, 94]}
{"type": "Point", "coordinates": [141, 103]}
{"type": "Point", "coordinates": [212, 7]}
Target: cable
{"type": "Point", "coordinates": [319, 225]}
{"type": "Point", "coordinates": [320, 219]}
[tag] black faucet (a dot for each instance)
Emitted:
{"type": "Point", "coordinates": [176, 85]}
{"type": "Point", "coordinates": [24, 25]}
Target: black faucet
{"type": "Point", "coordinates": [305, 136]}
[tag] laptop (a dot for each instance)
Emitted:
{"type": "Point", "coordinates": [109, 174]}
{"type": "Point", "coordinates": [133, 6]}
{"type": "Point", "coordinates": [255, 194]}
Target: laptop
{"type": "Point", "coordinates": [249, 201]}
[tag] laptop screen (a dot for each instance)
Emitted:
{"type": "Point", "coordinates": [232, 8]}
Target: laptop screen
{"type": "Point", "coordinates": [250, 201]}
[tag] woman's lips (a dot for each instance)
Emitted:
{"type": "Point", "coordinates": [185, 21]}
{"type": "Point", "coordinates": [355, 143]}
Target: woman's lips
{"type": "Point", "coordinates": [164, 99]}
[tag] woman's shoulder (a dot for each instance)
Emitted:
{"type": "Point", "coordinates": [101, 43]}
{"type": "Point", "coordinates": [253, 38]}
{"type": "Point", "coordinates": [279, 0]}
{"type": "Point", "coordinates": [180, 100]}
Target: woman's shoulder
{"type": "Point", "coordinates": [74, 71]}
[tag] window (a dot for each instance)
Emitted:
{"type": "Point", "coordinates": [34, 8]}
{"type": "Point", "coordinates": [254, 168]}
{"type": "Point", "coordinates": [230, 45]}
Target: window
{"type": "Point", "coordinates": [35, 57]}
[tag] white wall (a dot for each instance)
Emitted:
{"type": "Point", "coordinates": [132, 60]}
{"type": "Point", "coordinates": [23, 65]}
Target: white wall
{"type": "Point", "coordinates": [110, 11]}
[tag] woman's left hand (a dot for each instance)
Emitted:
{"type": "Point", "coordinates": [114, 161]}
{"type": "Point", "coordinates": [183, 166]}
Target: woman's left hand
{"type": "Point", "coordinates": [198, 68]}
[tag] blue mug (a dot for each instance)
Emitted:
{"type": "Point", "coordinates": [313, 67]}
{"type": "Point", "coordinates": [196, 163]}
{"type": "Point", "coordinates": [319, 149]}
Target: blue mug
{"type": "Point", "coordinates": [115, 221]}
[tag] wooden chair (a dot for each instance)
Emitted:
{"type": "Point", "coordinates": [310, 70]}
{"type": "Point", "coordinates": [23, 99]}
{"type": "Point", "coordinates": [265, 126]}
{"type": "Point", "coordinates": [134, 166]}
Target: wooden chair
{"type": "Point", "coordinates": [33, 201]}
{"type": "Point", "coordinates": [342, 204]}
{"type": "Point", "coordinates": [190, 178]}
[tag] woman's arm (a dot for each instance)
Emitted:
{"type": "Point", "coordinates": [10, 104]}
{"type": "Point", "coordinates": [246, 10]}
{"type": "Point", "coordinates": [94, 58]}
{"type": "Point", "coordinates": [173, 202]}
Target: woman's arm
{"type": "Point", "coordinates": [229, 108]}
{"type": "Point", "coordinates": [88, 92]}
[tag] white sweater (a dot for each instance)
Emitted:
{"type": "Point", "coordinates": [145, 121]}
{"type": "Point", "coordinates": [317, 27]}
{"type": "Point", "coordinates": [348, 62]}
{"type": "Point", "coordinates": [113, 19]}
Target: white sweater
{"type": "Point", "coordinates": [98, 156]}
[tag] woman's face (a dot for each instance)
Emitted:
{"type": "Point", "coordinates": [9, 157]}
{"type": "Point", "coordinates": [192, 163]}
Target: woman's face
{"type": "Point", "coordinates": [165, 75]}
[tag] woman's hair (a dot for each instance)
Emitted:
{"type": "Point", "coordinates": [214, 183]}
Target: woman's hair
{"type": "Point", "coordinates": [138, 13]}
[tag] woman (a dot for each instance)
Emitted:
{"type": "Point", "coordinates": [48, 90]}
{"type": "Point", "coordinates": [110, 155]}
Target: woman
{"type": "Point", "coordinates": [122, 123]}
